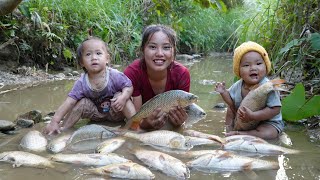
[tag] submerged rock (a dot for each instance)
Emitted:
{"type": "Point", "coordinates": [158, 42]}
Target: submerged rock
{"type": "Point", "coordinates": [6, 125]}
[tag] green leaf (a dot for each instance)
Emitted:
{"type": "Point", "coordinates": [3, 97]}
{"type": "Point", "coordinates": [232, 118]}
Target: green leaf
{"type": "Point", "coordinates": [295, 107]}
{"type": "Point", "coordinates": [67, 53]}
{"type": "Point", "coordinates": [291, 44]}
{"type": "Point", "coordinates": [315, 41]}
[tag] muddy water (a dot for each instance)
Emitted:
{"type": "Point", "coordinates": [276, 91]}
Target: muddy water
{"type": "Point", "coordinates": [48, 97]}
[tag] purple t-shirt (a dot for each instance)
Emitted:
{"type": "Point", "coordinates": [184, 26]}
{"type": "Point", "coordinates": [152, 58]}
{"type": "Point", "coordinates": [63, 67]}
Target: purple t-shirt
{"type": "Point", "coordinates": [116, 81]}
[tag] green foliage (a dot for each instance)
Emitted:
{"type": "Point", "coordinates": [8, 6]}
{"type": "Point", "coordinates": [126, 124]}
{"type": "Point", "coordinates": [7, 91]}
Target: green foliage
{"type": "Point", "coordinates": [49, 31]}
{"type": "Point", "coordinates": [295, 107]}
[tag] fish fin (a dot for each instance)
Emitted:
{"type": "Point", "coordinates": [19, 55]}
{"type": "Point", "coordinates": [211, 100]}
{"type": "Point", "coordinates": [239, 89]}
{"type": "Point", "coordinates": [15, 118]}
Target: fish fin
{"type": "Point", "coordinates": [250, 174]}
{"type": "Point", "coordinates": [125, 167]}
{"type": "Point", "coordinates": [278, 81]}
{"type": "Point", "coordinates": [131, 124]}
{"type": "Point", "coordinates": [247, 166]}
{"type": "Point", "coordinates": [217, 139]}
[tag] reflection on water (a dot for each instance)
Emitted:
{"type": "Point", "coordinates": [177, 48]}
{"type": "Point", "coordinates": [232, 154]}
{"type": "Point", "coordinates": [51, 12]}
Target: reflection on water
{"type": "Point", "coordinates": [204, 74]}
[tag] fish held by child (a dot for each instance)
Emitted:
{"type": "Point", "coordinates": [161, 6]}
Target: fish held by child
{"type": "Point", "coordinates": [255, 101]}
{"type": "Point", "coordinates": [165, 101]}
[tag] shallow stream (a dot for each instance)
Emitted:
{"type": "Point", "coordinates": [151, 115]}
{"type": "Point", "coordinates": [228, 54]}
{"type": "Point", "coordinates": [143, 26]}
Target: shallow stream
{"type": "Point", "coordinates": [204, 73]}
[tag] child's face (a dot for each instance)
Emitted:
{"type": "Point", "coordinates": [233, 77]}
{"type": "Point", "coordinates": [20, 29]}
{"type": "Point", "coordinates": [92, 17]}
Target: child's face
{"type": "Point", "coordinates": [94, 56]}
{"type": "Point", "coordinates": [158, 52]}
{"type": "Point", "coordinates": [252, 68]}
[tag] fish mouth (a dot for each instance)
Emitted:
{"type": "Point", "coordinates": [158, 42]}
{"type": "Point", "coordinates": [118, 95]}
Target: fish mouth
{"type": "Point", "coordinates": [194, 98]}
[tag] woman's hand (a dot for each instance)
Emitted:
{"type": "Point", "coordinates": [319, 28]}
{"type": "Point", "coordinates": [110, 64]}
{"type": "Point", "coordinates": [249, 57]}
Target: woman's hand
{"type": "Point", "coordinates": [156, 120]}
{"type": "Point", "coordinates": [177, 116]}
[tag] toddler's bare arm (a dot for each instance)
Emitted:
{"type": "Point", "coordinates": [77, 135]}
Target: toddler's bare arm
{"type": "Point", "coordinates": [221, 88]}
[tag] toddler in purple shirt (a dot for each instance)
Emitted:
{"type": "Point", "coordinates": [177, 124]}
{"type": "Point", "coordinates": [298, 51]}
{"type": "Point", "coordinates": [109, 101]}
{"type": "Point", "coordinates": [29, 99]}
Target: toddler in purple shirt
{"type": "Point", "coordinates": [100, 94]}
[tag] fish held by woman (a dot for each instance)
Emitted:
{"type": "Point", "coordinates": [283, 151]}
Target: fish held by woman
{"type": "Point", "coordinates": [165, 101]}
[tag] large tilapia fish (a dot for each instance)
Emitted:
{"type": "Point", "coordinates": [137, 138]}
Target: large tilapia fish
{"type": "Point", "coordinates": [162, 138]}
{"type": "Point", "coordinates": [163, 162]}
{"type": "Point", "coordinates": [128, 170]}
{"type": "Point", "coordinates": [256, 100]}
{"type": "Point", "coordinates": [34, 141]}
{"type": "Point", "coordinates": [230, 162]}
{"type": "Point", "coordinates": [21, 158]}
{"type": "Point", "coordinates": [165, 101]}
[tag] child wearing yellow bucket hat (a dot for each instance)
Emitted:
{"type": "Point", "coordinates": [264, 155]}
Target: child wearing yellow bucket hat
{"type": "Point", "coordinates": [251, 64]}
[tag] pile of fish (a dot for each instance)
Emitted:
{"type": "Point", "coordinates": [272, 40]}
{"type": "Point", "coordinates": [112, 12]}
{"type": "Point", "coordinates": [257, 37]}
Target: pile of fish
{"type": "Point", "coordinates": [168, 147]}
{"type": "Point", "coordinates": [98, 149]}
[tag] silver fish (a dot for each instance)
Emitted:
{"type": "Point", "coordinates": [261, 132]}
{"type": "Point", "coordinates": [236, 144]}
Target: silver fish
{"type": "Point", "coordinates": [34, 141]}
{"type": "Point", "coordinates": [89, 159]}
{"type": "Point", "coordinates": [162, 138]}
{"type": "Point", "coordinates": [256, 100]}
{"type": "Point", "coordinates": [244, 137]}
{"type": "Point", "coordinates": [195, 133]}
{"type": "Point", "coordinates": [257, 146]}
{"type": "Point", "coordinates": [58, 144]}
{"type": "Point", "coordinates": [195, 114]}
{"type": "Point", "coordinates": [230, 162]}
{"type": "Point", "coordinates": [163, 162]}
{"type": "Point", "coordinates": [196, 141]}
{"type": "Point", "coordinates": [90, 132]}
{"type": "Point", "coordinates": [21, 158]}
{"type": "Point", "coordinates": [192, 154]}
{"type": "Point", "coordinates": [127, 170]}
{"type": "Point", "coordinates": [285, 139]}
{"type": "Point", "coordinates": [109, 145]}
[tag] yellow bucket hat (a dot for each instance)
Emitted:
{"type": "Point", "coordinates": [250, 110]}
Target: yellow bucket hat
{"type": "Point", "coordinates": [247, 47]}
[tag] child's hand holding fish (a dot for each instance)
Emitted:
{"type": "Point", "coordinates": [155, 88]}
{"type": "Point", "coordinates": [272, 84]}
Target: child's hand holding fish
{"type": "Point", "coordinates": [245, 114]}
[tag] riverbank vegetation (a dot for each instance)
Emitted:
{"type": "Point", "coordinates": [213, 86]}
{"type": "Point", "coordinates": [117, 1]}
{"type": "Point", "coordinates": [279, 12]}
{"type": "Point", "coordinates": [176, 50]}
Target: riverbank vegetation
{"type": "Point", "coordinates": [46, 33]}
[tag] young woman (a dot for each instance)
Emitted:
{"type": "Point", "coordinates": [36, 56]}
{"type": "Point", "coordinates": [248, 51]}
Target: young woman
{"type": "Point", "coordinates": [156, 72]}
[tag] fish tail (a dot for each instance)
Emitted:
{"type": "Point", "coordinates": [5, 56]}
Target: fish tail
{"type": "Point", "coordinates": [277, 84]}
{"type": "Point", "coordinates": [278, 81]}
{"type": "Point", "coordinates": [132, 124]}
